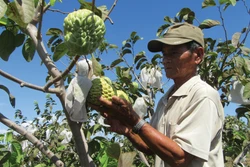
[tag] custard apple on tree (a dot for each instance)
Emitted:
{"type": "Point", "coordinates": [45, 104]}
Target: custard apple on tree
{"type": "Point", "coordinates": [100, 87]}
{"type": "Point", "coordinates": [83, 32]}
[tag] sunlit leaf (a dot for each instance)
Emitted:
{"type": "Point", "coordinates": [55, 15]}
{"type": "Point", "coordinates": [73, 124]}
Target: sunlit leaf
{"type": "Point", "coordinates": [17, 148]}
{"type": "Point", "coordinates": [235, 39]}
{"type": "Point", "coordinates": [54, 31]}
{"type": "Point", "coordinates": [126, 159]}
{"type": "Point", "coordinates": [168, 19]}
{"type": "Point", "coordinates": [97, 68]}
{"type": "Point", "coordinates": [12, 99]}
{"type": "Point", "coordinates": [208, 23]}
{"type": "Point", "coordinates": [183, 12]}
{"type": "Point", "coordinates": [245, 50]}
{"type": "Point", "coordinates": [8, 136]}
{"type": "Point", "coordinates": [52, 2]}
{"type": "Point", "coordinates": [223, 1]}
{"type": "Point", "coordinates": [28, 50]}
{"type": "Point", "coordinates": [60, 51]}
{"type": "Point", "coordinates": [207, 3]}
{"type": "Point", "coordinates": [104, 11]}
{"type": "Point", "coordinates": [7, 44]}
{"type": "Point", "coordinates": [28, 8]}
{"type": "Point", "coordinates": [22, 13]}
{"type": "Point", "coordinates": [233, 2]}
{"type": "Point", "coordinates": [3, 21]}
{"type": "Point", "coordinates": [3, 8]}
{"type": "Point", "coordinates": [246, 92]}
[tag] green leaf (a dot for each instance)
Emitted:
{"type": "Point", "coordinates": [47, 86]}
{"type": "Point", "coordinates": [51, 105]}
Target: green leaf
{"type": "Point", "coordinates": [4, 157]}
{"type": "Point", "coordinates": [157, 56]}
{"type": "Point", "coordinates": [21, 13]}
{"type": "Point", "coordinates": [162, 29]}
{"type": "Point", "coordinates": [168, 19]}
{"type": "Point", "coordinates": [3, 8]}
{"type": "Point", "coordinates": [246, 92]}
{"type": "Point", "coordinates": [126, 51]}
{"type": "Point", "coordinates": [60, 51]}
{"type": "Point", "coordinates": [3, 21]}
{"type": "Point", "coordinates": [114, 150]}
{"type": "Point", "coordinates": [139, 56]}
{"type": "Point", "coordinates": [17, 148]}
{"type": "Point", "coordinates": [54, 37]}
{"type": "Point", "coordinates": [41, 165]}
{"type": "Point", "coordinates": [208, 23]}
{"type": "Point", "coordinates": [19, 39]}
{"type": "Point", "coordinates": [183, 12]}
{"type": "Point", "coordinates": [54, 31]}
{"type": "Point", "coordinates": [52, 2]}
{"type": "Point", "coordinates": [88, 5]}
{"type": "Point", "coordinates": [224, 1]}
{"type": "Point", "coordinates": [233, 2]}
{"type": "Point", "coordinates": [207, 3]}
{"type": "Point", "coordinates": [12, 99]}
{"type": "Point", "coordinates": [7, 44]}
{"type": "Point", "coordinates": [28, 8]}
{"type": "Point", "coordinates": [133, 34]}
{"type": "Point", "coordinates": [8, 136]}
{"type": "Point", "coordinates": [140, 63]}
{"type": "Point", "coordinates": [104, 11]}
{"type": "Point", "coordinates": [97, 68]}
{"type": "Point", "coordinates": [28, 50]}
{"type": "Point", "coordinates": [116, 62]}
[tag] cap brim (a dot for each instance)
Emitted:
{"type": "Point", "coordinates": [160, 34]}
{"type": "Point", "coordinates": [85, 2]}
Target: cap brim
{"type": "Point", "coordinates": [157, 44]}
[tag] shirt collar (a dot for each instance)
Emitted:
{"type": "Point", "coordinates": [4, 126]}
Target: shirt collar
{"type": "Point", "coordinates": [184, 89]}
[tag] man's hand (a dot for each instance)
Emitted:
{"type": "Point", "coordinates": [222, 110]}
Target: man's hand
{"type": "Point", "coordinates": [119, 109]}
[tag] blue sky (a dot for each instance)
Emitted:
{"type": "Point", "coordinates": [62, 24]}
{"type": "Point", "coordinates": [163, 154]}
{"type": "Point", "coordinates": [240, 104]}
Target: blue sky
{"type": "Point", "coordinates": [144, 17]}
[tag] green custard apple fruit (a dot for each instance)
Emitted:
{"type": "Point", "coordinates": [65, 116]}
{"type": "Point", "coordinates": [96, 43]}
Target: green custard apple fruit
{"type": "Point", "coordinates": [83, 32]}
{"type": "Point", "coordinates": [122, 95]}
{"type": "Point", "coordinates": [100, 87]}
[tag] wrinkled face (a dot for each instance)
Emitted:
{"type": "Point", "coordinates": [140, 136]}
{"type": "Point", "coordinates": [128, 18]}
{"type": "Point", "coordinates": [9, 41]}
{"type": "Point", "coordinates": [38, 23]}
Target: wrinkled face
{"type": "Point", "coordinates": [179, 62]}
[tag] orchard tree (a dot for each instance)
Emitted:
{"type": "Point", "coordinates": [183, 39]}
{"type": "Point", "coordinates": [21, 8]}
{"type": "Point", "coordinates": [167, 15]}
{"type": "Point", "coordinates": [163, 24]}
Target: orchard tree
{"type": "Point", "coordinates": [48, 141]}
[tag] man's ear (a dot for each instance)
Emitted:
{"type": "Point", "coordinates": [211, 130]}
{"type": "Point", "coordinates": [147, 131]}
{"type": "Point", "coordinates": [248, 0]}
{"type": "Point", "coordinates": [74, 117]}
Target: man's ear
{"type": "Point", "coordinates": [199, 55]}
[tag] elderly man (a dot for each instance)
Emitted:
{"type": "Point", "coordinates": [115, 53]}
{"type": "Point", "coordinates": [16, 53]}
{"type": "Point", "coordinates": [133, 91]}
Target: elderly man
{"type": "Point", "coordinates": [186, 128]}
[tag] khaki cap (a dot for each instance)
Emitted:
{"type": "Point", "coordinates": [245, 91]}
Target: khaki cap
{"type": "Point", "coordinates": [177, 34]}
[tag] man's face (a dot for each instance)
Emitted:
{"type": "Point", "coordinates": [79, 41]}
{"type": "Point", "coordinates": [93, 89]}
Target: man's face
{"type": "Point", "coordinates": [178, 61]}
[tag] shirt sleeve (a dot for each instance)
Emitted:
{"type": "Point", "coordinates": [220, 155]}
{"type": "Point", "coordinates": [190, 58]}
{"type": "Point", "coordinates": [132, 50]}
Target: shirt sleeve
{"type": "Point", "coordinates": [198, 126]}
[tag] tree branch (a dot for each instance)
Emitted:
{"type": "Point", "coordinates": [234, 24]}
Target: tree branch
{"type": "Point", "coordinates": [67, 70]}
{"type": "Point", "coordinates": [25, 84]}
{"type": "Point", "coordinates": [85, 160]}
{"type": "Point", "coordinates": [40, 21]}
{"type": "Point", "coordinates": [241, 155]}
{"type": "Point", "coordinates": [111, 9]}
{"type": "Point", "coordinates": [32, 139]}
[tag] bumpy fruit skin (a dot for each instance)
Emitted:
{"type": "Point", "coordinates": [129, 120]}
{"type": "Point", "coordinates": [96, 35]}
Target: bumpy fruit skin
{"type": "Point", "coordinates": [122, 95]}
{"type": "Point", "coordinates": [100, 87]}
{"type": "Point", "coordinates": [83, 32]}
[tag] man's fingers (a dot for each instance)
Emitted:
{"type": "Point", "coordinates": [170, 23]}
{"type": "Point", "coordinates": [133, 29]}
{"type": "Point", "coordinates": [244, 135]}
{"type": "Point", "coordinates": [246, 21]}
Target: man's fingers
{"type": "Point", "coordinates": [119, 101]}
